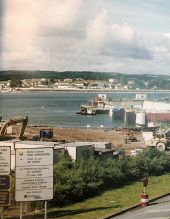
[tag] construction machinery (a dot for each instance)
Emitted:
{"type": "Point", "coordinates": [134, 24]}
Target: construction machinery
{"type": "Point", "coordinates": [45, 134]}
{"type": "Point", "coordinates": [4, 126]}
{"type": "Point", "coordinates": [161, 140]}
{"type": "Point", "coordinates": [131, 136]}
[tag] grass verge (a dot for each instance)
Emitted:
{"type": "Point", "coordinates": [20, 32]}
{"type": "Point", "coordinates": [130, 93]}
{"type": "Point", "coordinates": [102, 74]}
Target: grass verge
{"type": "Point", "coordinates": [110, 201]}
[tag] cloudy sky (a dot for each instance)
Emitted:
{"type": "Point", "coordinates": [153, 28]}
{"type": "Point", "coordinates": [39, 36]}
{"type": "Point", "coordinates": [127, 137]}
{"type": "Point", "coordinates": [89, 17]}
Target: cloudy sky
{"type": "Point", "coordinates": [130, 36]}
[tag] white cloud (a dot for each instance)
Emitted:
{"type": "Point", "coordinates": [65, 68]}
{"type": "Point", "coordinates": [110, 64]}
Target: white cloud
{"type": "Point", "coordinates": [114, 39]}
{"type": "Point", "coordinates": [161, 49]}
{"type": "Point", "coordinates": [80, 35]}
{"type": "Point", "coordinates": [124, 33]}
{"type": "Point", "coordinates": [100, 30]}
{"type": "Point", "coordinates": [167, 35]}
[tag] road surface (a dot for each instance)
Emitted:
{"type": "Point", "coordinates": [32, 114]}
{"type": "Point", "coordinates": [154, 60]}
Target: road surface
{"type": "Point", "coordinates": [159, 209]}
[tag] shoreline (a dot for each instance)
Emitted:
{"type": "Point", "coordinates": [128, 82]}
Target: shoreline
{"type": "Point", "coordinates": [19, 90]}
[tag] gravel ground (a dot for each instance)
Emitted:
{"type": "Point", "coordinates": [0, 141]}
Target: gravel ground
{"type": "Point", "coordinates": [116, 136]}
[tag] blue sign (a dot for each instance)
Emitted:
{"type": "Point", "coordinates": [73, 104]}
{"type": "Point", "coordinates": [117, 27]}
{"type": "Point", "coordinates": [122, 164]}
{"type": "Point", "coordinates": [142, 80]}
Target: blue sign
{"type": "Point", "coordinates": [4, 183]}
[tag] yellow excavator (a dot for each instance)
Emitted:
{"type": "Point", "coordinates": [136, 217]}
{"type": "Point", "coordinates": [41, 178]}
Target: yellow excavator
{"type": "Point", "coordinates": [4, 125]}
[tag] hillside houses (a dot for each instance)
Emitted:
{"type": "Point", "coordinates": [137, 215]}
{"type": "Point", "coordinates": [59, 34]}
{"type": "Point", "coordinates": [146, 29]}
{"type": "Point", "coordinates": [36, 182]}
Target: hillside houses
{"type": "Point", "coordinates": [76, 84]}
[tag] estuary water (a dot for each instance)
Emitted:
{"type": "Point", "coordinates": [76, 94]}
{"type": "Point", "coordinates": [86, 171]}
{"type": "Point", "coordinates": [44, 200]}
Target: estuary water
{"type": "Point", "coordinates": [58, 109]}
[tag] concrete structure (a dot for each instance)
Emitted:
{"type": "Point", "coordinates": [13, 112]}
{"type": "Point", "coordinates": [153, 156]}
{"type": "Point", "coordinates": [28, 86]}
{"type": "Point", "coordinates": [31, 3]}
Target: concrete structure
{"type": "Point", "coordinates": [37, 144]}
{"type": "Point", "coordinates": [119, 113]}
{"type": "Point", "coordinates": [101, 144]}
{"type": "Point", "coordinates": [141, 97]}
{"type": "Point", "coordinates": [103, 153]}
{"type": "Point", "coordinates": [156, 107]}
{"type": "Point", "coordinates": [130, 117]}
{"type": "Point", "coordinates": [140, 118]}
{"type": "Point", "coordinates": [59, 152]}
{"type": "Point", "coordinates": [79, 150]}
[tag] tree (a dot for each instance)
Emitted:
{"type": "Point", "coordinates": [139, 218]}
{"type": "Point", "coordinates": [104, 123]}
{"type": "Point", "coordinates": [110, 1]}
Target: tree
{"type": "Point", "coordinates": [75, 181]}
{"type": "Point", "coordinates": [46, 82]}
{"type": "Point", "coordinates": [15, 83]}
{"type": "Point", "coordinates": [123, 80]}
{"type": "Point", "coordinates": [52, 81]}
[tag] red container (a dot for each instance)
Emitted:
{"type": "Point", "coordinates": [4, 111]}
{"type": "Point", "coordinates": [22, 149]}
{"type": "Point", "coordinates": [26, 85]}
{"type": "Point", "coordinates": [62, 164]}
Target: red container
{"type": "Point", "coordinates": [144, 200]}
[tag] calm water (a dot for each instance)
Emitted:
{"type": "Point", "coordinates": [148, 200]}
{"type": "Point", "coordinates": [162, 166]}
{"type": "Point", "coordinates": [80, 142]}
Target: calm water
{"type": "Point", "coordinates": [59, 108]}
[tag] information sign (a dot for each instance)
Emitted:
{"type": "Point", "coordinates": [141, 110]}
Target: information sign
{"type": "Point", "coordinates": [4, 198]}
{"type": "Point", "coordinates": [4, 182]}
{"type": "Point", "coordinates": [34, 195]}
{"type": "Point", "coordinates": [34, 174]}
{"type": "Point", "coordinates": [34, 171]}
{"type": "Point", "coordinates": [5, 160]}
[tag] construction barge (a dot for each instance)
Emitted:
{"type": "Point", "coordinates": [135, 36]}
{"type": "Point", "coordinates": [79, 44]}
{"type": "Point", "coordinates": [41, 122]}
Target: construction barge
{"type": "Point", "coordinates": [139, 111]}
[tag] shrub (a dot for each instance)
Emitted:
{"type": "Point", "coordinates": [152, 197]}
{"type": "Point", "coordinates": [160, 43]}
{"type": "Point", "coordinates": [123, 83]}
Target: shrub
{"type": "Point", "coordinates": [75, 181]}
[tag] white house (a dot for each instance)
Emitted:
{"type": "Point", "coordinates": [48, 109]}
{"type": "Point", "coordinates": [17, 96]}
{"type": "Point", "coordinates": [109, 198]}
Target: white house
{"type": "Point", "coordinates": [112, 81]}
{"type": "Point", "coordinates": [64, 86]}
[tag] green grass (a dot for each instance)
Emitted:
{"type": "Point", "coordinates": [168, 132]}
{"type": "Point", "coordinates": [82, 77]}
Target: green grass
{"type": "Point", "coordinates": [111, 201]}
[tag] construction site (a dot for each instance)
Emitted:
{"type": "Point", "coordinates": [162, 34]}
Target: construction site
{"type": "Point", "coordinates": [82, 143]}
{"type": "Point", "coordinates": [120, 138]}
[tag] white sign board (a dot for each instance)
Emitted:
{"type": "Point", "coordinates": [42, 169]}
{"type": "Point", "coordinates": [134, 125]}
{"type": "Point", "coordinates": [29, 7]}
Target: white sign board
{"type": "Point", "coordinates": [34, 195]}
{"type": "Point", "coordinates": [34, 174]}
{"type": "Point", "coordinates": [38, 171]}
{"type": "Point", "coordinates": [5, 160]}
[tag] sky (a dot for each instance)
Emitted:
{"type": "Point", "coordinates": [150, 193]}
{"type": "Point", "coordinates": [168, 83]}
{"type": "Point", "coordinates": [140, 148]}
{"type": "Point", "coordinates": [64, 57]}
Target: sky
{"type": "Point", "coordinates": [128, 36]}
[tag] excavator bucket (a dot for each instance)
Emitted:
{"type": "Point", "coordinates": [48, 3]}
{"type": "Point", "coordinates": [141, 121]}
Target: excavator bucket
{"type": "Point", "coordinates": [23, 120]}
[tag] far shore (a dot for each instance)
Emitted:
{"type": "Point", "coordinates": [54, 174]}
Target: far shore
{"type": "Point", "coordinates": [82, 90]}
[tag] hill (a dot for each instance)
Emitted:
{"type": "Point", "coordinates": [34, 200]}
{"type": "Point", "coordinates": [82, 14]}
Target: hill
{"type": "Point", "coordinates": [86, 75]}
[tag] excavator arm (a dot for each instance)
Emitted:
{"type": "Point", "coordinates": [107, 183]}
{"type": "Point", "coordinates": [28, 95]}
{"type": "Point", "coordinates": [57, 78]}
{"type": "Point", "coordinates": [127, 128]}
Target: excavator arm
{"type": "Point", "coordinates": [23, 120]}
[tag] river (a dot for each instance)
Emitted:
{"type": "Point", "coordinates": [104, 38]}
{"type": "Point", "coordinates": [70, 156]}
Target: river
{"type": "Point", "coordinates": [58, 109]}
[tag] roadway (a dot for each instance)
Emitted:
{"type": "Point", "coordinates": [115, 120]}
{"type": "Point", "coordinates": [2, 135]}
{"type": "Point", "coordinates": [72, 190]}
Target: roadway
{"type": "Point", "coordinates": [159, 209]}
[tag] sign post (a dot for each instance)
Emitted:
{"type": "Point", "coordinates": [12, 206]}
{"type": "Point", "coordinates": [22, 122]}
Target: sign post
{"type": "Point", "coordinates": [2, 213]}
{"type": "Point", "coordinates": [5, 169]}
{"type": "Point", "coordinates": [145, 184]}
{"type": "Point", "coordinates": [34, 175]}
{"type": "Point", "coordinates": [20, 211]}
{"type": "Point", "coordinates": [45, 214]}
{"type": "Point", "coordinates": [144, 196]}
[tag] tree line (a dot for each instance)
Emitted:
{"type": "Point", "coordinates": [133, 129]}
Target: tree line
{"type": "Point", "coordinates": [76, 181]}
